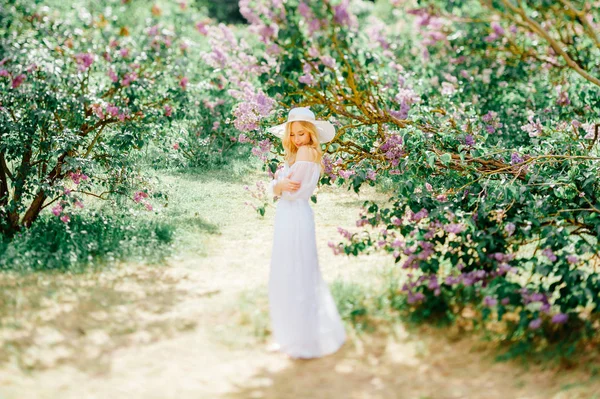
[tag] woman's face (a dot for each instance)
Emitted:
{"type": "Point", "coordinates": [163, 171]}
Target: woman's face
{"type": "Point", "coordinates": [299, 135]}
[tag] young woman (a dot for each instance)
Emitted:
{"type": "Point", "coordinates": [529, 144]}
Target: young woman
{"type": "Point", "coordinates": [304, 319]}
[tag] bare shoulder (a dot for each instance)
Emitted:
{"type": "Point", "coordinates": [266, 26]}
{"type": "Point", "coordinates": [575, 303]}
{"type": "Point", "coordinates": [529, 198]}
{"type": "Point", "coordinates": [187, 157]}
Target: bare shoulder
{"type": "Point", "coordinates": [306, 153]}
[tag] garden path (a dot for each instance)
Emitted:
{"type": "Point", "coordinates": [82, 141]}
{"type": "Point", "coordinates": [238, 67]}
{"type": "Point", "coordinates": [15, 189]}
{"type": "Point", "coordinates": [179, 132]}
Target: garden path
{"type": "Point", "coordinates": [201, 322]}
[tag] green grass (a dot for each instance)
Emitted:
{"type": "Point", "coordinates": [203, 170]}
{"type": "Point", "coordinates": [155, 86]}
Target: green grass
{"type": "Point", "coordinates": [89, 239]}
{"type": "Point", "coordinates": [190, 204]}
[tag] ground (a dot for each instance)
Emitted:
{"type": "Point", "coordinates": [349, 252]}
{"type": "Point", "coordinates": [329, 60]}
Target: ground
{"type": "Point", "coordinates": [198, 327]}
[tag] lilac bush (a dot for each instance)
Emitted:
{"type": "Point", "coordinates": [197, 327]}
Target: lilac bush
{"type": "Point", "coordinates": [490, 146]}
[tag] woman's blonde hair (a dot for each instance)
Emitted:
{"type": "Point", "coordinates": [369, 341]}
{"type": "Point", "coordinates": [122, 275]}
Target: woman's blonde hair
{"type": "Point", "coordinates": [291, 149]}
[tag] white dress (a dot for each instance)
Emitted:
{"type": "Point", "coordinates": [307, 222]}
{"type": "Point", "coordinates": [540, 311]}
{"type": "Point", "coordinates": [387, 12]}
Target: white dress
{"type": "Point", "coordinates": [304, 319]}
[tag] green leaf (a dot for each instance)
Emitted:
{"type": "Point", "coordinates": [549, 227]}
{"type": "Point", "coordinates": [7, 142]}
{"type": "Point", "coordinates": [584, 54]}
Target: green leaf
{"type": "Point", "coordinates": [446, 158]}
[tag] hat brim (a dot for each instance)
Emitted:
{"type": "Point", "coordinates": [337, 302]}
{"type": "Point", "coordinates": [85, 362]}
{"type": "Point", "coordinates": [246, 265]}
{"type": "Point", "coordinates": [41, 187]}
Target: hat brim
{"type": "Point", "coordinates": [325, 130]}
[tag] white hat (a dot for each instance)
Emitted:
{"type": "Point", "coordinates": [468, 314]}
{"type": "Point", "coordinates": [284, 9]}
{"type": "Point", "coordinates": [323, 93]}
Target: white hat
{"type": "Point", "coordinates": [325, 130]}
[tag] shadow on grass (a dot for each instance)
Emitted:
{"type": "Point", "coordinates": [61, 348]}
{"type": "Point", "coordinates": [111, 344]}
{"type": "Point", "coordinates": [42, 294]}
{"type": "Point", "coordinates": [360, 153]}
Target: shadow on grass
{"type": "Point", "coordinates": [199, 224]}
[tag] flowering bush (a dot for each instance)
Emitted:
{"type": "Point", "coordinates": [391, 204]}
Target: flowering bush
{"type": "Point", "coordinates": [491, 145]}
{"type": "Point", "coordinates": [78, 95]}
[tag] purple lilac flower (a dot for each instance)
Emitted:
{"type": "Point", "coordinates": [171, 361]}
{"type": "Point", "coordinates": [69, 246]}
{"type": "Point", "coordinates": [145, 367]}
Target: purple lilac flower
{"type": "Point", "coordinates": [371, 175]}
{"type": "Point", "coordinates": [423, 213]}
{"type": "Point", "coordinates": [572, 259]}
{"type": "Point", "coordinates": [510, 228]}
{"type": "Point", "coordinates": [490, 301]}
{"type": "Point", "coordinates": [469, 140]}
{"type": "Point", "coordinates": [497, 28]}
{"type": "Point", "coordinates": [535, 324]}
{"type": "Point", "coordinates": [549, 254]}
{"type": "Point", "coordinates": [455, 228]}
{"type": "Point", "coordinates": [346, 173]}
{"type": "Point", "coordinates": [345, 233]}
{"type": "Point", "coordinates": [560, 318]}
{"type": "Point", "coordinates": [305, 10]}
{"type": "Point", "coordinates": [533, 128]}
{"type": "Point", "coordinates": [328, 61]}
{"type": "Point", "coordinates": [392, 148]}
{"type": "Point", "coordinates": [515, 158]}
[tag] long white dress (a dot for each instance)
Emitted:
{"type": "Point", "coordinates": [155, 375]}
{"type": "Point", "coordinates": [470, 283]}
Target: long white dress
{"type": "Point", "coordinates": [304, 319]}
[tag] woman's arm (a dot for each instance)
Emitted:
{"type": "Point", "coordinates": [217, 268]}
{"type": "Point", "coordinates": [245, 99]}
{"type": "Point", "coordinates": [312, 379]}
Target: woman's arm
{"type": "Point", "coordinates": [277, 186]}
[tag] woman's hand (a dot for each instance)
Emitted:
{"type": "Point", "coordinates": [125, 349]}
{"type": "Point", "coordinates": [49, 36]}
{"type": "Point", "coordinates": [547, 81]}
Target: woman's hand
{"type": "Point", "coordinates": [287, 184]}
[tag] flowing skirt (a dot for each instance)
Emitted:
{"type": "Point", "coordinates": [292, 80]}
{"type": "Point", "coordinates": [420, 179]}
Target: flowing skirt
{"type": "Point", "coordinates": [304, 319]}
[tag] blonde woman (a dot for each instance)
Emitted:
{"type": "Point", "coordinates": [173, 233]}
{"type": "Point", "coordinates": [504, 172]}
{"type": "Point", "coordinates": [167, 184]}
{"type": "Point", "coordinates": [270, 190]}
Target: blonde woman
{"type": "Point", "coordinates": [304, 319]}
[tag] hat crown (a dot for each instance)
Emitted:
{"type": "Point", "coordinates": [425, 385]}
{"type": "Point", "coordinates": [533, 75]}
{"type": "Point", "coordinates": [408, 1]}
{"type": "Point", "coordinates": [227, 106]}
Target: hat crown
{"type": "Point", "coordinates": [300, 113]}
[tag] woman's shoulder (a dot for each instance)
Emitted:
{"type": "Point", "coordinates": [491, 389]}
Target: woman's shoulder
{"type": "Point", "coordinates": [306, 153]}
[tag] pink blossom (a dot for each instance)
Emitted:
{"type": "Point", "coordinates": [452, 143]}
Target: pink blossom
{"type": "Point", "coordinates": [65, 218]}
{"type": "Point", "coordinates": [17, 81]}
{"type": "Point", "coordinates": [183, 82]}
{"type": "Point", "coordinates": [124, 52]}
{"type": "Point", "coordinates": [176, 146]}
{"type": "Point", "coordinates": [97, 109]}
{"type": "Point", "coordinates": [168, 110]}
{"type": "Point", "coordinates": [56, 210]}
{"type": "Point", "coordinates": [305, 11]}
{"type": "Point", "coordinates": [4, 72]}
{"type": "Point", "coordinates": [497, 28]}
{"type": "Point", "coordinates": [79, 204]}
{"type": "Point", "coordinates": [448, 89]}
{"type": "Point", "coordinates": [153, 30]}
{"type": "Point", "coordinates": [346, 173]}
{"type": "Point", "coordinates": [328, 61]}
{"type": "Point", "coordinates": [342, 15]}
{"type": "Point", "coordinates": [128, 78]}
{"type": "Point", "coordinates": [216, 125]}
{"type": "Point", "coordinates": [242, 138]}
{"type": "Point", "coordinates": [113, 76]}
{"type": "Point", "coordinates": [148, 206]}
{"type": "Point", "coordinates": [307, 79]}
{"type": "Point", "coordinates": [84, 60]}
{"type": "Point", "coordinates": [77, 177]}
{"type": "Point", "coordinates": [201, 27]}
{"type": "Point", "coordinates": [183, 5]}
{"type": "Point", "coordinates": [139, 195]}
{"type": "Point", "coordinates": [106, 56]}
{"type": "Point", "coordinates": [112, 110]}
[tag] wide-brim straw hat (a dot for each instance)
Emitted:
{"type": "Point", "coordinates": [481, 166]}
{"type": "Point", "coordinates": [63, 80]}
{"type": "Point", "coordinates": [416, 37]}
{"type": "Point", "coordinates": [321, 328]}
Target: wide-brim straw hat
{"type": "Point", "coordinates": [325, 130]}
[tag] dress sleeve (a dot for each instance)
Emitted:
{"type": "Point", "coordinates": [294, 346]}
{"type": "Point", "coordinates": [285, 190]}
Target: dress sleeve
{"type": "Point", "coordinates": [273, 182]}
{"type": "Point", "coordinates": [307, 173]}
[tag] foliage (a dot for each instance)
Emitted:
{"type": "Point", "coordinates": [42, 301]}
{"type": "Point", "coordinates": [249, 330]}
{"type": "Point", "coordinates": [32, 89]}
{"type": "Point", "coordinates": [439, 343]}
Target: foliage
{"type": "Point", "coordinates": [84, 89]}
{"type": "Point", "coordinates": [492, 145]}
{"type": "Point", "coordinates": [94, 238]}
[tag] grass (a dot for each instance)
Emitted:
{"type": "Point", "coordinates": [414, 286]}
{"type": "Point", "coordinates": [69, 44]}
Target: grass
{"type": "Point", "coordinates": [90, 239]}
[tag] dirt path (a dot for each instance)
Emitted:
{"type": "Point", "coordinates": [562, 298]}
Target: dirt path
{"type": "Point", "coordinates": [198, 330]}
